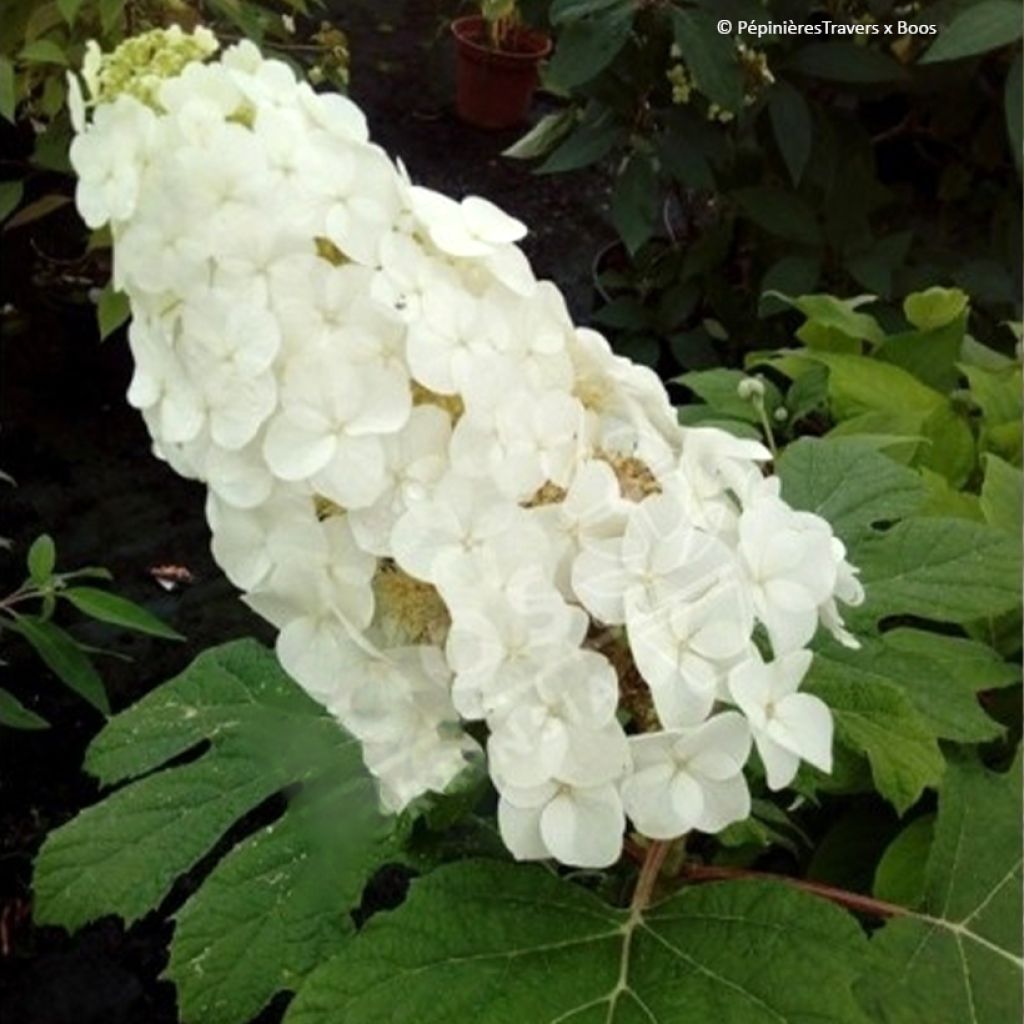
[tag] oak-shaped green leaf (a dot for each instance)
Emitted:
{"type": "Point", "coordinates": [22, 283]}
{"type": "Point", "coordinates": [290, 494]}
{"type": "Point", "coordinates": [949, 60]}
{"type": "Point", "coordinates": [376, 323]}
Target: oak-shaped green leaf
{"type": "Point", "coordinates": [276, 903]}
{"type": "Point", "coordinates": [880, 722]}
{"type": "Point", "coordinates": [506, 944]}
{"type": "Point", "coordinates": [957, 958]}
{"type": "Point", "coordinates": [849, 483]}
{"type": "Point", "coordinates": [945, 570]}
{"type": "Point", "coordinates": [279, 903]}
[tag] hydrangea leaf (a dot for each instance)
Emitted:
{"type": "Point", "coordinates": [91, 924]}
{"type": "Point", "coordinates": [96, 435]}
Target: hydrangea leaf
{"type": "Point", "coordinates": [279, 903]}
{"type": "Point", "coordinates": [958, 960]}
{"type": "Point", "coordinates": [849, 483]}
{"type": "Point", "coordinates": [123, 854]}
{"type": "Point", "coordinates": [940, 676]}
{"type": "Point", "coordinates": [945, 570]}
{"type": "Point", "coordinates": [880, 722]}
{"type": "Point", "coordinates": [505, 944]}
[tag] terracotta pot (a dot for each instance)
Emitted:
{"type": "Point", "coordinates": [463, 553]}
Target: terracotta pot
{"type": "Point", "coordinates": [493, 88]}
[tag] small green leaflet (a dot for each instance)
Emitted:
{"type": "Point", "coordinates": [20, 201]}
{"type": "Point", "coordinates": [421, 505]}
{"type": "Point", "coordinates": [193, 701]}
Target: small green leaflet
{"type": "Point", "coordinates": [15, 715]}
{"type": "Point", "coordinates": [112, 310]}
{"type": "Point", "coordinates": [958, 959]}
{"type": "Point", "coordinates": [64, 658]}
{"type": "Point", "coordinates": [41, 560]}
{"type": "Point", "coordinates": [107, 607]}
{"type": "Point", "coordinates": [513, 944]}
{"type": "Point", "coordinates": [279, 901]}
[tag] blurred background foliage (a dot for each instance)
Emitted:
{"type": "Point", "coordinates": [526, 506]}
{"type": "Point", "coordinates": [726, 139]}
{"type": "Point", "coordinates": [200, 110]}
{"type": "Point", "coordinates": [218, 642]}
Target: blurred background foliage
{"type": "Point", "coordinates": [879, 163]}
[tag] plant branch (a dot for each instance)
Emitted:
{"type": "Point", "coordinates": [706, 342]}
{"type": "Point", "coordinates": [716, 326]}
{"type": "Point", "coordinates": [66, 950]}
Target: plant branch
{"type": "Point", "coordinates": [851, 900]}
{"type": "Point", "coordinates": [654, 858]}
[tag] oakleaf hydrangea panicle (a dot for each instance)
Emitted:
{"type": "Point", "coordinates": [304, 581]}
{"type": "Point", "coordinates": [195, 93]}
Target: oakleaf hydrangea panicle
{"type": "Point", "coordinates": [454, 505]}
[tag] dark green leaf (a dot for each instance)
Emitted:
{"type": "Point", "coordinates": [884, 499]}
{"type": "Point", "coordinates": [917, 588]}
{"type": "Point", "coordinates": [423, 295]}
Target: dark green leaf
{"type": "Point", "coordinates": [792, 275]}
{"type": "Point", "coordinates": [710, 57]}
{"type": "Point", "coordinates": [958, 960]}
{"type": "Point", "coordinates": [122, 855]}
{"type": "Point", "coordinates": [107, 607]}
{"type": "Point", "coordinates": [500, 943]}
{"type": "Point", "coordinates": [842, 61]}
{"type": "Point", "coordinates": [899, 877]}
{"type": "Point", "coordinates": [1013, 103]}
{"type": "Point", "coordinates": [780, 213]}
{"type": "Point", "coordinates": [15, 715]}
{"type": "Point", "coordinates": [635, 201]}
{"type": "Point", "coordinates": [64, 658]}
{"type": "Point", "coordinates": [946, 570]}
{"type": "Point", "coordinates": [976, 29]}
{"type": "Point", "coordinates": [11, 193]}
{"type": "Point", "coordinates": [881, 723]}
{"type": "Point", "coordinates": [597, 135]}
{"type": "Point", "coordinates": [585, 48]}
{"type": "Point", "coordinates": [791, 123]}
{"type": "Point", "coordinates": [849, 483]}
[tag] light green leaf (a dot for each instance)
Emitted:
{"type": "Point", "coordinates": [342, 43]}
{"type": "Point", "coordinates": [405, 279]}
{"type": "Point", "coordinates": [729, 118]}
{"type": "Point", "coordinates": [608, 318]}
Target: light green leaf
{"type": "Point", "coordinates": [543, 136]}
{"type": "Point", "coordinates": [635, 201]}
{"type": "Point", "coordinates": [122, 855]}
{"type": "Point", "coordinates": [112, 310]}
{"type": "Point", "coordinates": [719, 389]}
{"type": "Point", "coordinates": [976, 29]}
{"type": "Point", "coordinates": [946, 570]}
{"type": "Point", "coordinates": [934, 307]}
{"type": "Point", "coordinates": [944, 500]}
{"type": "Point", "coordinates": [15, 715]}
{"type": "Point", "coordinates": [899, 877]}
{"type": "Point", "coordinates": [44, 51]}
{"type": "Point", "coordinates": [1001, 495]}
{"type": "Point", "coordinates": [8, 92]}
{"type": "Point", "coordinates": [41, 560]}
{"type": "Point", "coordinates": [780, 213]}
{"type": "Point", "coordinates": [849, 483]}
{"type": "Point", "coordinates": [499, 944]}
{"type": "Point", "coordinates": [710, 57]}
{"type": "Point", "coordinates": [64, 658]}
{"type": "Point", "coordinates": [838, 315]}
{"type": "Point", "coordinates": [792, 126]}
{"type": "Point", "coordinates": [107, 607]}
{"type": "Point", "coordinates": [958, 959]}
{"type": "Point", "coordinates": [11, 193]}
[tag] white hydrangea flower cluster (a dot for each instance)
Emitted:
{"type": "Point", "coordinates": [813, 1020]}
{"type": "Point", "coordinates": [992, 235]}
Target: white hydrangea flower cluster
{"type": "Point", "coordinates": [470, 521]}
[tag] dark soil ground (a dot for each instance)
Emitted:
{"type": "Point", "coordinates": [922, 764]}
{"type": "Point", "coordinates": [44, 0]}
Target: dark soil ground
{"type": "Point", "coordinates": [81, 460]}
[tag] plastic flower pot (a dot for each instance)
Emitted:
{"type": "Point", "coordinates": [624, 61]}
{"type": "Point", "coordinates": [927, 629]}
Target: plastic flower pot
{"type": "Point", "coordinates": [493, 88]}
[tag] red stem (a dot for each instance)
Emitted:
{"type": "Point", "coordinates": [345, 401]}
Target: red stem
{"type": "Point", "coordinates": [850, 900]}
